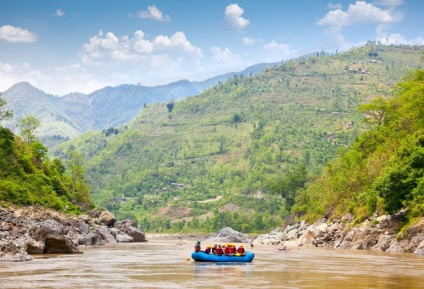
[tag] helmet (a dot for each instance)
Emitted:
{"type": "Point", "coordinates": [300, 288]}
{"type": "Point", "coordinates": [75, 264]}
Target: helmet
{"type": "Point", "coordinates": [241, 246]}
{"type": "Point", "coordinates": [198, 242]}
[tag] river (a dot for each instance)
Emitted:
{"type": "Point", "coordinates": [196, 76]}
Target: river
{"type": "Point", "coordinates": [163, 264]}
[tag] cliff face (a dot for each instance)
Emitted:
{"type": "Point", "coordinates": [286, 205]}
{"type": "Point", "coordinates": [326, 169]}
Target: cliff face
{"type": "Point", "coordinates": [379, 234]}
{"type": "Point", "coordinates": [31, 230]}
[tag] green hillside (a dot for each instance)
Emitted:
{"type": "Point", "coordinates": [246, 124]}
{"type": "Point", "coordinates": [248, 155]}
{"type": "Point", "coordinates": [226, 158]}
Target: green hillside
{"type": "Point", "coordinates": [228, 155]}
{"type": "Point", "coordinates": [29, 177]}
{"type": "Point", "coordinates": [383, 172]}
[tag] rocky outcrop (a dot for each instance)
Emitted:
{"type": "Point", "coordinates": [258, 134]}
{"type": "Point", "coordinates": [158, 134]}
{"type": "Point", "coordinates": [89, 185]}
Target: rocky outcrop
{"type": "Point", "coordinates": [32, 230]}
{"type": "Point", "coordinates": [378, 233]}
{"type": "Point", "coordinates": [229, 235]}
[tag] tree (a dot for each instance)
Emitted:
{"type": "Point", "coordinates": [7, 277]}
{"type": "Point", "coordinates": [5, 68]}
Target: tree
{"type": "Point", "coordinates": [75, 165]}
{"type": "Point", "coordinates": [4, 114]}
{"type": "Point", "coordinates": [170, 106]}
{"type": "Point", "coordinates": [287, 186]}
{"type": "Point", "coordinates": [27, 126]}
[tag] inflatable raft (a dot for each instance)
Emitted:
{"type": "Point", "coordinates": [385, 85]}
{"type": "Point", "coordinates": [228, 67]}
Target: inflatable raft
{"type": "Point", "coordinates": [203, 257]}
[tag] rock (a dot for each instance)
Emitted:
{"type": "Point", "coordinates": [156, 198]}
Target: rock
{"type": "Point", "coordinates": [53, 241]}
{"type": "Point", "coordinates": [55, 226]}
{"type": "Point", "coordinates": [8, 248]}
{"type": "Point", "coordinates": [35, 247]}
{"type": "Point", "coordinates": [229, 235]}
{"type": "Point", "coordinates": [129, 227]}
{"type": "Point", "coordinates": [122, 238]}
{"type": "Point", "coordinates": [383, 243]}
{"type": "Point", "coordinates": [107, 218]}
{"type": "Point", "coordinates": [56, 243]}
{"type": "Point", "coordinates": [106, 236]}
{"type": "Point", "coordinates": [18, 257]}
{"type": "Point", "coordinates": [94, 213]}
{"type": "Point", "coordinates": [89, 239]}
{"type": "Point", "coordinates": [420, 249]}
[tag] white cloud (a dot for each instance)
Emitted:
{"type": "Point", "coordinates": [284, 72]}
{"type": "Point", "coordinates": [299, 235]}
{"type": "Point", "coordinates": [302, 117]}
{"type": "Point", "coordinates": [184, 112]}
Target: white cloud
{"type": "Point", "coordinates": [249, 40]}
{"type": "Point", "coordinates": [333, 6]}
{"type": "Point", "coordinates": [396, 39]}
{"type": "Point", "coordinates": [358, 13]}
{"type": "Point", "coordinates": [16, 34]}
{"type": "Point", "coordinates": [103, 48]}
{"type": "Point", "coordinates": [234, 19]}
{"type": "Point", "coordinates": [278, 51]}
{"type": "Point", "coordinates": [59, 13]}
{"type": "Point", "coordinates": [176, 41]}
{"type": "Point", "coordinates": [153, 13]}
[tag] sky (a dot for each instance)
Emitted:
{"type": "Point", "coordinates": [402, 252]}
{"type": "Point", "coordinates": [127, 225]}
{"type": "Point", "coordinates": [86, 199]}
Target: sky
{"type": "Point", "coordinates": [64, 46]}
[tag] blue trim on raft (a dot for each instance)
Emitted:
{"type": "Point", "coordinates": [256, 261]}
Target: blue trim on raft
{"type": "Point", "coordinates": [201, 256]}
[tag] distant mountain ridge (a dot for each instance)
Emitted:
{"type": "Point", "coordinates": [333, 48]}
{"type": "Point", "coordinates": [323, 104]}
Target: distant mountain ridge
{"type": "Point", "coordinates": [70, 115]}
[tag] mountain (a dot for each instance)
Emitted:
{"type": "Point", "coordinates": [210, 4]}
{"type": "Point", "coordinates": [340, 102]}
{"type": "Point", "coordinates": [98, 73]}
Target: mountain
{"type": "Point", "coordinates": [73, 114]}
{"type": "Point", "coordinates": [227, 156]}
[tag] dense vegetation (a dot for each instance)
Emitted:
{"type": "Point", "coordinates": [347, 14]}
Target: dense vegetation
{"type": "Point", "coordinates": [383, 172]}
{"type": "Point", "coordinates": [29, 177]}
{"type": "Point", "coordinates": [237, 154]}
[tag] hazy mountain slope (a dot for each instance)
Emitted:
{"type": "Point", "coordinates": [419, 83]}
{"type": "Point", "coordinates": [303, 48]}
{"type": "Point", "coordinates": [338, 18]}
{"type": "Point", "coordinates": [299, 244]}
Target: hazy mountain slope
{"type": "Point", "coordinates": [236, 139]}
{"type": "Point", "coordinates": [72, 114]}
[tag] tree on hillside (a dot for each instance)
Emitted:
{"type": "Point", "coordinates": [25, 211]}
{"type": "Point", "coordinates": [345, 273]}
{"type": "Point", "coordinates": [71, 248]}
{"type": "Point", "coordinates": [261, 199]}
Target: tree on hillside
{"type": "Point", "coordinates": [4, 114]}
{"type": "Point", "coordinates": [287, 186]}
{"type": "Point", "coordinates": [27, 126]}
{"type": "Point", "coordinates": [75, 165]}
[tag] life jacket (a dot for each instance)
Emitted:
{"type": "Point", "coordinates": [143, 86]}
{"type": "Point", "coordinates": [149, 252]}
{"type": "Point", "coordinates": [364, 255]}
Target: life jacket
{"type": "Point", "coordinates": [208, 250]}
{"type": "Point", "coordinates": [219, 251]}
{"type": "Point", "coordinates": [197, 248]}
{"type": "Point", "coordinates": [227, 250]}
{"type": "Point", "coordinates": [240, 250]}
{"type": "Point", "coordinates": [231, 250]}
{"type": "Point", "coordinates": [213, 250]}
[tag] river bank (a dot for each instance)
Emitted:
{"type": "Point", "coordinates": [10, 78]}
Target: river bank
{"type": "Point", "coordinates": [380, 233]}
{"type": "Point", "coordinates": [26, 231]}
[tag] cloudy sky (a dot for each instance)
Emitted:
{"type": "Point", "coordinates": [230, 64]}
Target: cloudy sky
{"type": "Point", "coordinates": [83, 45]}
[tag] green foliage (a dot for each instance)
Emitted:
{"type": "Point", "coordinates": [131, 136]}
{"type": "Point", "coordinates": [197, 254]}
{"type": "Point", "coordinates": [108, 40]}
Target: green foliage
{"type": "Point", "coordinates": [28, 177]}
{"type": "Point", "coordinates": [4, 114]}
{"type": "Point", "coordinates": [384, 169]}
{"type": "Point", "coordinates": [27, 126]}
{"type": "Point", "coordinates": [245, 139]}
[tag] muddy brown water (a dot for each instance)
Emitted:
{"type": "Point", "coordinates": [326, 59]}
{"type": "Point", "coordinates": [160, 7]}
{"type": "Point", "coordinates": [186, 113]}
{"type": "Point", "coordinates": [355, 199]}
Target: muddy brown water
{"type": "Point", "coordinates": [163, 264]}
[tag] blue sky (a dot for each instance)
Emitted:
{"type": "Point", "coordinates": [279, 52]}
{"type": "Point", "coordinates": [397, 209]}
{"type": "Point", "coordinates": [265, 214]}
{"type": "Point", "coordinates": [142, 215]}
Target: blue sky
{"type": "Point", "coordinates": [83, 45]}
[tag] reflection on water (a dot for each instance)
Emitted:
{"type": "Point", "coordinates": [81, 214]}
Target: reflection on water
{"type": "Point", "coordinates": [162, 264]}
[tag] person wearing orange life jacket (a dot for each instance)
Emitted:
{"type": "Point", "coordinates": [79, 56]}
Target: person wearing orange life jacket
{"type": "Point", "coordinates": [241, 250]}
{"type": "Point", "coordinates": [219, 250]}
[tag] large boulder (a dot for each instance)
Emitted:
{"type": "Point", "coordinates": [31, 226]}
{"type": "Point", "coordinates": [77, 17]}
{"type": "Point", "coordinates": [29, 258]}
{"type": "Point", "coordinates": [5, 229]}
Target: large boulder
{"type": "Point", "coordinates": [105, 234]}
{"type": "Point", "coordinates": [53, 241]}
{"type": "Point", "coordinates": [131, 229]}
{"type": "Point", "coordinates": [229, 235]}
{"type": "Point", "coordinates": [107, 218]}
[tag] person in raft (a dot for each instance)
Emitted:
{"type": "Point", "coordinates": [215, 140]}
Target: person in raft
{"type": "Point", "coordinates": [208, 249]}
{"type": "Point", "coordinates": [241, 251]}
{"type": "Point", "coordinates": [231, 249]}
{"type": "Point", "coordinates": [197, 247]}
{"type": "Point", "coordinates": [214, 249]}
{"type": "Point", "coordinates": [219, 250]}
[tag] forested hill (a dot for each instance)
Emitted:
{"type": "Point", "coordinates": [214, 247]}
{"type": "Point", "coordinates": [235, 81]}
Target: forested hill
{"type": "Point", "coordinates": [226, 156]}
{"type": "Point", "coordinates": [383, 172]}
{"type": "Point", "coordinates": [29, 177]}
